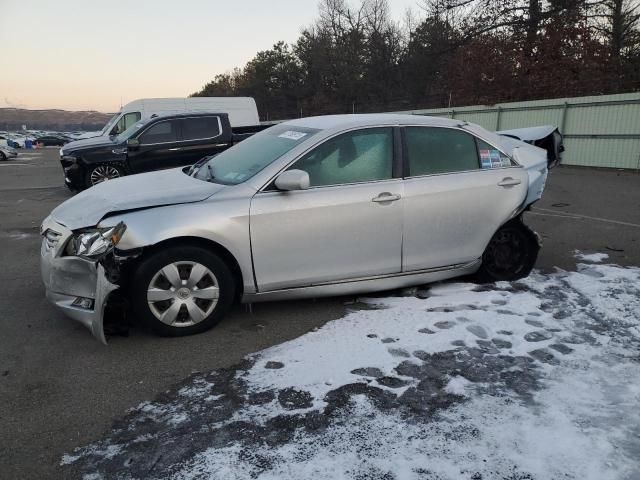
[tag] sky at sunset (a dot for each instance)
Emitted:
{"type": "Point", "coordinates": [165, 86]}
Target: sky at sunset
{"type": "Point", "coordinates": [97, 54]}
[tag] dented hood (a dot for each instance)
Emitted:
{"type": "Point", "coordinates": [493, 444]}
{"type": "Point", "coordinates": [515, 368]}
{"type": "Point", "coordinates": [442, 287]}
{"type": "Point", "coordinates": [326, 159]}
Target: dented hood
{"type": "Point", "coordinates": [166, 187]}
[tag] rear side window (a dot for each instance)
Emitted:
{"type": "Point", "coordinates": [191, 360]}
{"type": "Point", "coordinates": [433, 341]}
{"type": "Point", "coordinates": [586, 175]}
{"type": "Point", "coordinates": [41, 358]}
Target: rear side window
{"type": "Point", "coordinates": [439, 150]}
{"type": "Point", "coordinates": [491, 157]}
{"type": "Point", "coordinates": [163, 132]}
{"type": "Point", "coordinates": [200, 128]}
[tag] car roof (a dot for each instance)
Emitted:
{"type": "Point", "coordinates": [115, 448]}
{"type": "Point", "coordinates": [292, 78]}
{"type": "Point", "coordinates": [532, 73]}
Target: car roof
{"type": "Point", "coordinates": [370, 119]}
{"type": "Point", "coordinates": [194, 113]}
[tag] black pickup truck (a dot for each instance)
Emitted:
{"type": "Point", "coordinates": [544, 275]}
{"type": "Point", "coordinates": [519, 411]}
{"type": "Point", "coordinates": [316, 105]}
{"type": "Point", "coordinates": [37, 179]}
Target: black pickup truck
{"type": "Point", "coordinates": [152, 144]}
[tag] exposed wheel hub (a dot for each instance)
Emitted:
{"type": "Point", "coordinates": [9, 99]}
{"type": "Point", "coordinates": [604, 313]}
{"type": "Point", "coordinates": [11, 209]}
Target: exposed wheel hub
{"type": "Point", "coordinates": [506, 253]}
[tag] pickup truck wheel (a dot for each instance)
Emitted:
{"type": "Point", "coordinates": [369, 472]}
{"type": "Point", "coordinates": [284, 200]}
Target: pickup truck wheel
{"type": "Point", "coordinates": [511, 254]}
{"type": "Point", "coordinates": [100, 173]}
{"type": "Point", "coordinates": [182, 290]}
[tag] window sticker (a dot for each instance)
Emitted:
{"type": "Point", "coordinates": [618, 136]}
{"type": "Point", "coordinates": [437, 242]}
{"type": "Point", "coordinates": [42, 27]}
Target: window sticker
{"type": "Point", "coordinates": [485, 159]}
{"type": "Point", "coordinates": [493, 159]}
{"type": "Point", "coordinates": [292, 135]}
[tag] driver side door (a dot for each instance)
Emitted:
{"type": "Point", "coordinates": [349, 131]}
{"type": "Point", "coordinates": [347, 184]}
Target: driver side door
{"type": "Point", "coordinates": [160, 147]}
{"type": "Point", "coordinates": [346, 226]}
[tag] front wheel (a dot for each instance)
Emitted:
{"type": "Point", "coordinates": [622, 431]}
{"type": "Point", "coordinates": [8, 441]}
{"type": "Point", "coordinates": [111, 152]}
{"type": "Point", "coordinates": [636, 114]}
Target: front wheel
{"type": "Point", "coordinates": [182, 290]}
{"type": "Point", "coordinates": [3, 157]}
{"type": "Point", "coordinates": [511, 254]}
{"type": "Point", "coordinates": [101, 173]}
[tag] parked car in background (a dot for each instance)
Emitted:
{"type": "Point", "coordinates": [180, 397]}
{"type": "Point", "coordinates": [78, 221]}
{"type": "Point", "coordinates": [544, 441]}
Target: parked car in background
{"type": "Point", "coordinates": [7, 153]}
{"type": "Point", "coordinates": [318, 206]}
{"type": "Point", "coordinates": [242, 111]}
{"type": "Point", "coordinates": [155, 144]}
{"type": "Point", "coordinates": [52, 140]}
{"type": "Point", "coordinates": [16, 141]}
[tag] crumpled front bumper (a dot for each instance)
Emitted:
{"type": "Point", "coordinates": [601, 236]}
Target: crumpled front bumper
{"type": "Point", "coordinates": [68, 278]}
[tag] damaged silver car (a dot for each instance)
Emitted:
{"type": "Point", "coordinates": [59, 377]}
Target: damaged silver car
{"type": "Point", "coordinates": [312, 207]}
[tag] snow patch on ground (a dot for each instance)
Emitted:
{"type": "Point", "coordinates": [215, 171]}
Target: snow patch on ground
{"type": "Point", "coordinates": [535, 379]}
{"type": "Point", "coordinates": [591, 257]}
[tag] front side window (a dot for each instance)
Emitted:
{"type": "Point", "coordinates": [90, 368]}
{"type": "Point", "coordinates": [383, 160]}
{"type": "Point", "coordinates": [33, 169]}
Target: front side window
{"type": "Point", "coordinates": [163, 132]}
{"type": "Point", "coordinates": [432, 151]}
{"type": "Point", "coordinates": [125, 122]}
{"type": "Point", "coordinates": [131, 118]}
{"type": "Point", "coordinates": [353, 157]}
{"type": "Point", "coordinates": [200, 128]}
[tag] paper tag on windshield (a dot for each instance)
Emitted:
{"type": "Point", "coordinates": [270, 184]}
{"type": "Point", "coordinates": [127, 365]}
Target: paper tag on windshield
{"type": "Point", "coordinates": [292, 135]}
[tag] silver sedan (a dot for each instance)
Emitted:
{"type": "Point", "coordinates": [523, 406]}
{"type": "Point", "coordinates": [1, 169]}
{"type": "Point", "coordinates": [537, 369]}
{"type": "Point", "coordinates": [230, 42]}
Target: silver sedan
{"type": "Point", "coordinates": [318, 206]}
{"type": "Point", "coordinates": [7, 153]}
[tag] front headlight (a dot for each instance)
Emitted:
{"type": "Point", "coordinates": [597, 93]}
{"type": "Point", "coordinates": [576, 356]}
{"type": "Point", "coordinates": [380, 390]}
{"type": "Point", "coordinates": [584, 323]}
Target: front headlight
{"type": "Point", "coordinates": [68, 160]}
{"type": "Point", "coordinates": [95, 243]}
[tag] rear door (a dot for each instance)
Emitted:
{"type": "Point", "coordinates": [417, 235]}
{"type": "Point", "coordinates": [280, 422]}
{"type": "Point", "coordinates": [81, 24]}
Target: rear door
{"type": "Point", "coordinates": [347, 225]}
{"type": "Point", "coordinates": [160, 147]}
{"type": "Point", "coordinates": [201, 136]}
{"type": "Point", "coordinates": [458, 191]}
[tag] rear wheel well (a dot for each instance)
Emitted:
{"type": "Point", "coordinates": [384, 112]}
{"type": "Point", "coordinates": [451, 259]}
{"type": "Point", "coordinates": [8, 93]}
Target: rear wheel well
{"type": "Point", "coordinates": [224, 254]}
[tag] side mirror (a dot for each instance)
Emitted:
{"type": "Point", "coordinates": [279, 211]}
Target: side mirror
{"type": "Point", "coordinates": [293, 180]}
{"type": "Point", "coordinates": [133, 144]}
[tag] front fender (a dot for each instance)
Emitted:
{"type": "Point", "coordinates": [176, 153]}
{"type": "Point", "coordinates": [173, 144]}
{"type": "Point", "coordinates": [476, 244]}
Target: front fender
{"type": "Point", "coordinates": [224, 221]}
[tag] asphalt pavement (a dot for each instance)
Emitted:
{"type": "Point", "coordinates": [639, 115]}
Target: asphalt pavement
{"type": "Point", "coordinates": [60, 388]}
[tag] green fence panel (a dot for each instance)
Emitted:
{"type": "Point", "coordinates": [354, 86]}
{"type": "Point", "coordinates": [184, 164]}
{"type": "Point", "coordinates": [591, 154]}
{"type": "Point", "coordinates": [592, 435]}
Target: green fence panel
{"type": "Point", "coordinates": [600, 131]}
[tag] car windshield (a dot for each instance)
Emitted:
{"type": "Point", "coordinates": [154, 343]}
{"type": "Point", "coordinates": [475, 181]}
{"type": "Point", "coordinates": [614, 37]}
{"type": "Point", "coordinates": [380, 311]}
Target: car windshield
{"type": "Point", "coordinates": [244, 160]}
{"type": "Point", "coordinates": [129, 132]}
{"type": "Point", "coordinates": [110, 123]}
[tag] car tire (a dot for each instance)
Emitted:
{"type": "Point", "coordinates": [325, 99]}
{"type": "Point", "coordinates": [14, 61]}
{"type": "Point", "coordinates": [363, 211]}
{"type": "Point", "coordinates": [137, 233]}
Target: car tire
{"type": "Point", "coordinates": [101, 172]}
{"type": "Point", "coordinates": [3, 157]}
{"type": "Point", "coordinates": [166, 297]}
{"type": "Point", "coordinates": [510, 255]}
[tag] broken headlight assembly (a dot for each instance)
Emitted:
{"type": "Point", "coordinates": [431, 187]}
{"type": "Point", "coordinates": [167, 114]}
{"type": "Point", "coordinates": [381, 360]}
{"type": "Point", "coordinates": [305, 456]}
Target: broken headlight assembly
{"type": "Point", "coordinates": [95, 243]}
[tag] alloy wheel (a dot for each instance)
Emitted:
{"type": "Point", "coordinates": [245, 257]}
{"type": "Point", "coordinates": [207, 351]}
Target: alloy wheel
{"type": "Point", "coordinates": [183, 294]}
{"type": "Point", "coordinates": [102, 173]}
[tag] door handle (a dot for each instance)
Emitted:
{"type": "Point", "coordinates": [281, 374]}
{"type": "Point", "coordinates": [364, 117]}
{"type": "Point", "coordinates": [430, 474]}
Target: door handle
{"type": "Point", "coordinates": [509, 182]}
{"type": "Point", "coordinates": [385, 197]}
{"type": "Point", "coordinates": [176, 149]}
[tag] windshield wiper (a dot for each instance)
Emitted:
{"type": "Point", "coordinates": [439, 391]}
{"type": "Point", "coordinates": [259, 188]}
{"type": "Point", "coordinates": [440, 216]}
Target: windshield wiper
{"type": "Point", "coordinates": [210, 169]}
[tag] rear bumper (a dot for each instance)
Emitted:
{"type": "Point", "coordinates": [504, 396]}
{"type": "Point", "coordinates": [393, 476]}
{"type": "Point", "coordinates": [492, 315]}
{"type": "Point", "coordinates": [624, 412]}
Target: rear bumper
{"type": "Point", "coordinates": [68, 279]}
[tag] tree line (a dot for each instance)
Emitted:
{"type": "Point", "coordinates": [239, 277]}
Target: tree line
{"type": "Point", "coordinates": [448, 53]}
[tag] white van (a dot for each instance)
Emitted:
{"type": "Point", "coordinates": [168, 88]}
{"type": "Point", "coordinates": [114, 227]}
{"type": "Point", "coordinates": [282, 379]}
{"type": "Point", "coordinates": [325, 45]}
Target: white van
{"type": "Point", "coordinates": [242, 111]}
